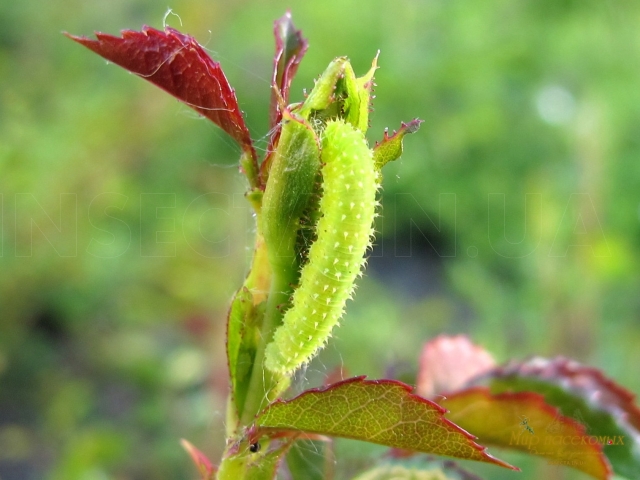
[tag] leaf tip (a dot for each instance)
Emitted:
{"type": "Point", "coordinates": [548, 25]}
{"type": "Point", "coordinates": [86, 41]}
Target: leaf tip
{"type": "Point", "coordinates": [202, 463]}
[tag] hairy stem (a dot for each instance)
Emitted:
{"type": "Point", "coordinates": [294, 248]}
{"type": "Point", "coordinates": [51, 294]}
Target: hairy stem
{"type": "Point", "coordinates": [265, 386]}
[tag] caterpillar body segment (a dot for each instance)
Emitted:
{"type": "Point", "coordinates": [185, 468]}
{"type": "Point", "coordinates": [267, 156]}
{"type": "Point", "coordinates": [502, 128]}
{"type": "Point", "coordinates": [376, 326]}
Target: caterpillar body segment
{"type": "Point", "coordinates": [336, 258]}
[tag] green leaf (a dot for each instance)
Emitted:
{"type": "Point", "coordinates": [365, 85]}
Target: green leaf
{"type": "Point", "coordinates": [390, 148]}
{"type": "Point", "coordinates": [291, 183]}
{"type": "Point", "coordinates": [523, 421]}
{"type": "Point", "coordinates": [322, 94]}
{"type": "Point", "coordinates": [338, 93]}
{"type": "Point", "coordinates": [243, 327]}
{"type": "Point", "coordinates": [429, 463]}
{"type": "Point", "coordinates": [426, 468]}
{"type": "Point", "coordinates": [398, 472]}
{"type": "Point", "coordinates": [607, 410]}
{"type": "Point", "coordinates": [311, 460]}
{"type": "Point", "coordinates": [356, 93]}
{"type": "Point", "coordinates": [379, 411]}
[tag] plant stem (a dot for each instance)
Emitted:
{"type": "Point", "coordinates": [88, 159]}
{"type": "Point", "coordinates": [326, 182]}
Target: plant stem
{"type": "Point", "coordinates": [264, 385]}
{"type": "Point", "coordinates": [249, 166]}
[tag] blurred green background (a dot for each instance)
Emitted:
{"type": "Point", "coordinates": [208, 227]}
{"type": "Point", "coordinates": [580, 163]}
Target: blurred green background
{"type": "Point", "coordinates": [513, 216]}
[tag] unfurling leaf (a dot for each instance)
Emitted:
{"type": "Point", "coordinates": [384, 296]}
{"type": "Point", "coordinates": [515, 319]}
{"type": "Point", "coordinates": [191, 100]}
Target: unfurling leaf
{"type": "Point", "coordinates": [385, 412]}
{"type": "Point", "coordinates": [290, 48]}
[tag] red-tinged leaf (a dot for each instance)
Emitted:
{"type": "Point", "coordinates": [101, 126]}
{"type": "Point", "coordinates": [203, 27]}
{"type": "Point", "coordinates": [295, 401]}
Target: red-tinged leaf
{"type": "Point", "coordinates": [447, 363]}
{"type": "Point", "coordinates": [205, 467]}
{"type": "Point", "coordinates": [290, 48]}
{"type": "Point", "coordinates": [523, 421]}
{"type": "Point", "coordinates": [607, 410]}
{"type": "Point", "coordinates": [385, 412]}
{"type": "Point", "coordinates": [390, 147]}
{"type": "Point", "coordinates": [178, 64]}
{"type": "Point", "coordinates": [589, 382]}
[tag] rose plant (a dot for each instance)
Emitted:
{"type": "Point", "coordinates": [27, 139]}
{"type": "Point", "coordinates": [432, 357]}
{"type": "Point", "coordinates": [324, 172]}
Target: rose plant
{"type": "Point", "coordinates": [314, 195]}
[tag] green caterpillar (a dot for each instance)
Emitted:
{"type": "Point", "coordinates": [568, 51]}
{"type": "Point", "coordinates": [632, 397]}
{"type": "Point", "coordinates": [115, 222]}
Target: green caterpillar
{"type": "Point", "coordinates": [336, 258]}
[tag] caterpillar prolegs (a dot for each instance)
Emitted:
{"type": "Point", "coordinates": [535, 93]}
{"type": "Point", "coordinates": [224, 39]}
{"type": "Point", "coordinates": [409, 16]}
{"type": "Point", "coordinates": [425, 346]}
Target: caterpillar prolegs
{"type": "Point", "coordinates": [336, 258]}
